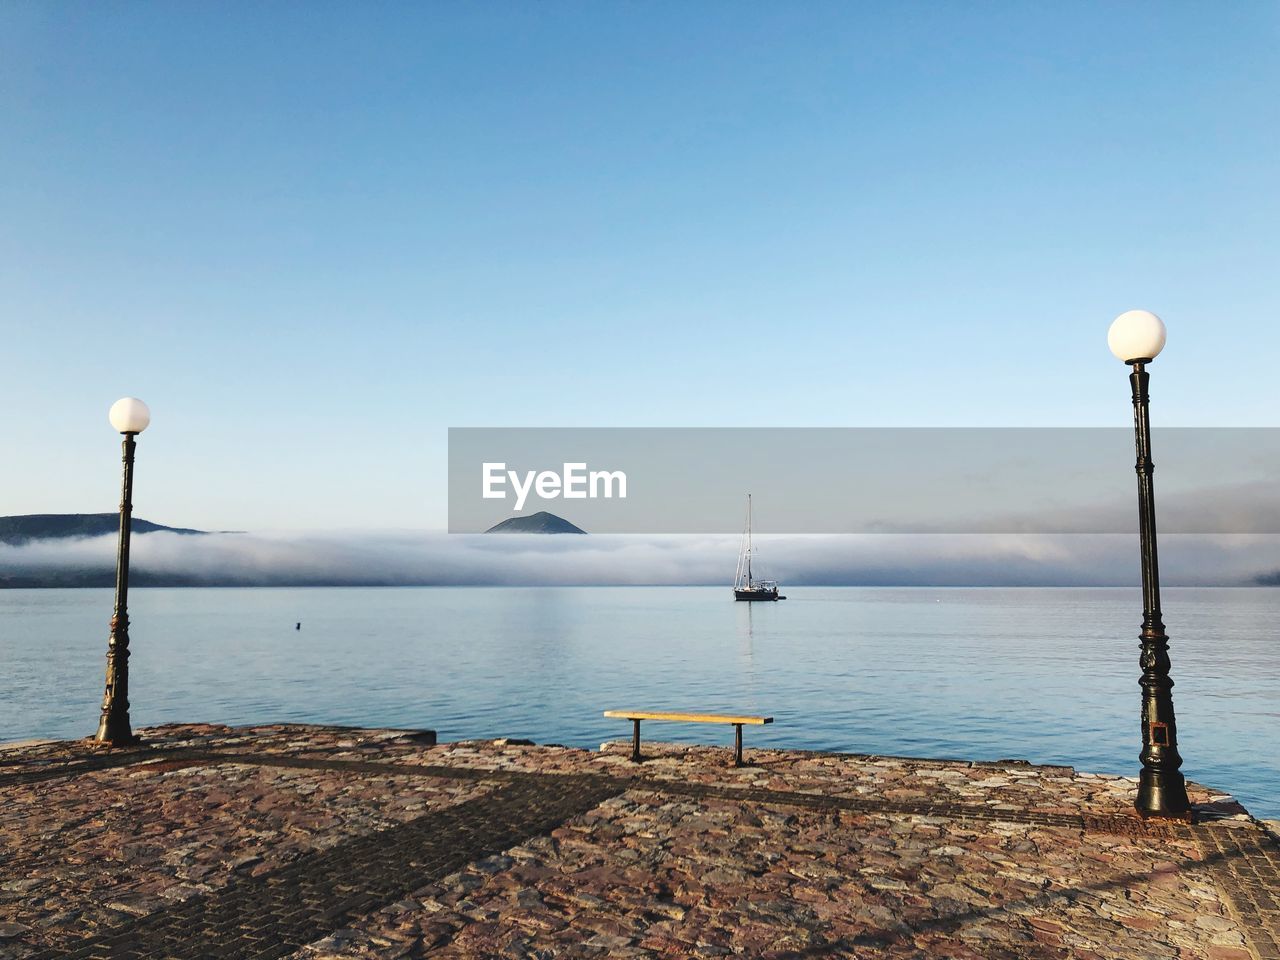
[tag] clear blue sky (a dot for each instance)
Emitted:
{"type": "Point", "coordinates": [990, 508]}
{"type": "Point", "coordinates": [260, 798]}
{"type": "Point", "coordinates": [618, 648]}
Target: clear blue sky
{"type": "Point", "coordinates": [313, 236]}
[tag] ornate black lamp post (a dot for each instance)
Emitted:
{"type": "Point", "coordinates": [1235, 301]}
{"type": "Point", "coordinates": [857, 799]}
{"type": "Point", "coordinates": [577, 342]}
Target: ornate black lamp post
{"type": "Point", "coordinates": [130, 416]}
{"type": "Point", "coordinates": [1137, 337]}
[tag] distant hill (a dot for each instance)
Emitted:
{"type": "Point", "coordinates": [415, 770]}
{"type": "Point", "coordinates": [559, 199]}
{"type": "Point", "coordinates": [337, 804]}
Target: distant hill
{"type": "Point", "coordinates": [63, 526]}
{"type": "Point", "coordinates": [540, 522]}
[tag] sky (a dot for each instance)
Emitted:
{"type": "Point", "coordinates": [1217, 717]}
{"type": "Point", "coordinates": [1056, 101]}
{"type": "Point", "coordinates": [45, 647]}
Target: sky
{"type": "Point", "coordinates": [314, 236]}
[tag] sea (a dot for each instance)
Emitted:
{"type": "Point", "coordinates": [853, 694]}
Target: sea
{"type": "Point", "coordinates": [1045, 675]}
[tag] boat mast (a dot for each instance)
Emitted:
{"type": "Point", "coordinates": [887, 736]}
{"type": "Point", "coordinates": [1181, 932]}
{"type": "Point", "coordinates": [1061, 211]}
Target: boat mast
{"type": "Point", "coordinates": [748, 541]}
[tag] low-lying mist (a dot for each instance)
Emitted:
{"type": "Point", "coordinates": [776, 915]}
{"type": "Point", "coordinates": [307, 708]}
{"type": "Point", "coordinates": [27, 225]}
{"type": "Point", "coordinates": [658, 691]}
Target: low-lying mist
{"type": "Point", "coordinates": [407, 558]}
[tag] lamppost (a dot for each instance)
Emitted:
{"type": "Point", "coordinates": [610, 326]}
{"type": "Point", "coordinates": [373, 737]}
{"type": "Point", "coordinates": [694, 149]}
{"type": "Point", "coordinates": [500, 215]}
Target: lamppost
{"type": "Point", "coordinates": [130, 416]}
{"type": "Point", "coordinates": [1137, 337]}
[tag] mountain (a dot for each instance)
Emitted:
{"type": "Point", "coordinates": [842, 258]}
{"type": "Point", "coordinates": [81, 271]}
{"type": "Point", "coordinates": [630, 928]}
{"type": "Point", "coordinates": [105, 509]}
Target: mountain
{"type": "Point", "coordinates": [540, 522]}
{"type": "Point", "coordinates": [62, 526]}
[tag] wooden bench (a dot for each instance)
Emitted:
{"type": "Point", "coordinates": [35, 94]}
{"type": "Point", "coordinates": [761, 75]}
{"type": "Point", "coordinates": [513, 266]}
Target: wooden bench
{"type": "Point", "coordinates": [635, 716]}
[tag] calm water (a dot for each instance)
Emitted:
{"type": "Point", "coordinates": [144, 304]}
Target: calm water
{"type": "Point", "coordinates": [1046, 675]}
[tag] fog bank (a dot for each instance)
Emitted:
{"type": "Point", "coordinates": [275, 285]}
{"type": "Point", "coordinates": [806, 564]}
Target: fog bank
{"type": "Point", "coordinates": [413, 558]}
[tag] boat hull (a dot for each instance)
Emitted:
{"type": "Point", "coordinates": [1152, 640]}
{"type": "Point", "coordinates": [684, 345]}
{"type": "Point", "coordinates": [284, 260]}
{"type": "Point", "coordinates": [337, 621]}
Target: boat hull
{"type": "Point", "coordinates": [755, 594]}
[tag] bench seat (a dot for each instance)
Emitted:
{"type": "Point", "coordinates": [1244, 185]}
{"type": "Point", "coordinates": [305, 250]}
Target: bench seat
{"type": "Point", "coordinates": [635, 716]}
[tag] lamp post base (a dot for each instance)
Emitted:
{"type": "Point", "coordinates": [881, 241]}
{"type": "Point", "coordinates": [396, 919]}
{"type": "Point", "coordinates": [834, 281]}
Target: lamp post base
{"type": "Point", "coordinates": [115, 733]}
{"type": "Point", "coordinates": [1163, 794]}
{"type": "Point", "coordinates": [96, 744]}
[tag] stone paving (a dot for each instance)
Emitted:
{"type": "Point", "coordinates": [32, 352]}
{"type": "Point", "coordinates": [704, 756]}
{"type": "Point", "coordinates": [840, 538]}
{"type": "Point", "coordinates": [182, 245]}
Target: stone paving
{"type": "Point", "coordinates": [317, 843]}
{"type": "Point", "coordinates": [165, 835]}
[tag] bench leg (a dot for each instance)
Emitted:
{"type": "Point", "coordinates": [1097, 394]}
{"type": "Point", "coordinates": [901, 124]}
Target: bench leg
{"type": "Point", "coordinates": [635, 742]}
{"type": "Point", "coordinates": [737, 744]}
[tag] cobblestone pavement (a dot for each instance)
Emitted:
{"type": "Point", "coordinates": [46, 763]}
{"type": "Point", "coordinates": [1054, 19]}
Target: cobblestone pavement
{"type": "Point", "coordinates": [272, 914]}
{"type": "Point", "coordinates": [104, 846]}
{"type": "Point", "coordinates": [1246, 866]}
{"type": "Point", "coordinates": [318, 842]}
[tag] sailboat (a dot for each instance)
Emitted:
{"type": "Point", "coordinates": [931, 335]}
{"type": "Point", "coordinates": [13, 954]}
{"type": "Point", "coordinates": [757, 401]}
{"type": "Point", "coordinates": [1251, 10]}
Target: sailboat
{"type": "Point", "coordinates": [746, 587]}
